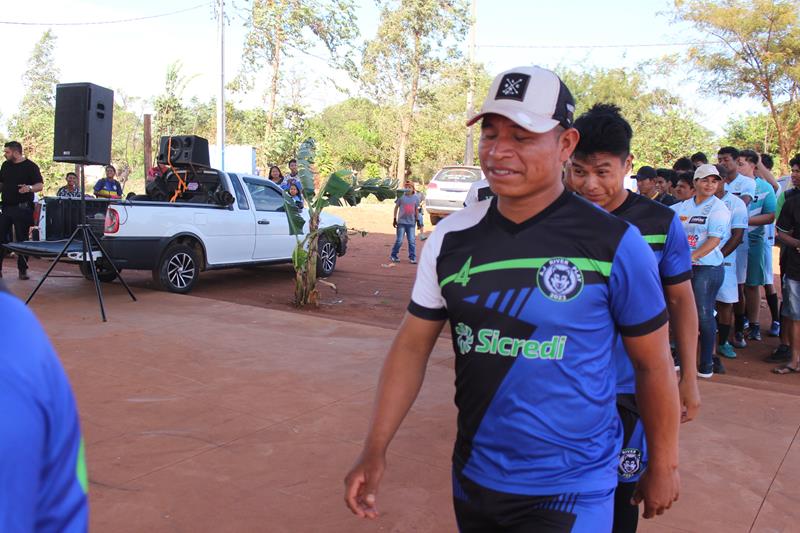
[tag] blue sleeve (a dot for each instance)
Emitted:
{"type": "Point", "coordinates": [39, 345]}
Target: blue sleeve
{"type": "Point", "coordinates": [676, 259]}
{"type": "Point", "coordinates": [98, 186]}
{"type": "Point", "coordinates": [637, 299]}
{"type": "Point", "coordinates": [770, 202]}
{"type": "Point", "coordinates": [718, 221]}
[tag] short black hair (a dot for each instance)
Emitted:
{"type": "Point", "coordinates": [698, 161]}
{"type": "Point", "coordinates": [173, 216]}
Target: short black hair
{"type": "Point", "coordinates": [683, 163]}
{"type": "Point", "coordinates": [795, 161]}
{"type": "Point", "coordinates": [666, 173]}
{"type": "Point", "coordinates": [112, 167]}
{"type": "Point", "coordinates": [687, 177]}
{"type": "Point", "coordinates": [603, 129]}
{"type": "Point", "coordinates": [71, 174]}
{"type": "Point", "coordinates": [768, 161]}
{"type": "Point", "coordinates": [292, 161]}
{"type": "Point", "coordinates": [14, 145]}
{"type": "Point", "coordinates": [730, 150]}
{"type": "Point", "coordinates": [750, 155]}
{"type": "Point", "coordinates": [699, 156]}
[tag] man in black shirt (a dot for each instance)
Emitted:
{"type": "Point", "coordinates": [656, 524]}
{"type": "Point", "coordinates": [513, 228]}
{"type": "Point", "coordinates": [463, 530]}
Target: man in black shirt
{"type": "Point", "coordinates": [19, 179]}
{"type": "Point", "coordinates": [788, 234]}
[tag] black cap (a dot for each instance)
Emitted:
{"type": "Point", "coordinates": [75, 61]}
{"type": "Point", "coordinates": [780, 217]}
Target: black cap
{"type": "Point", "coordinates": [645, 173]}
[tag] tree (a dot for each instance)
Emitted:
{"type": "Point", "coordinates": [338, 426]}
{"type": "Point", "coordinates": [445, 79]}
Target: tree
{"type": "Point", "coordinates": [339, 188]}
{"type": "Point", "coordinates": [32, 125]}
{"type": "Point", "coordinates": [753, 131]}
{"type": "Point", "coordinates": [755, 52]}
{"type": "Point", "coordinates": [277, 28]}
{"type": "Point", "coordinates": [172, 116]}
{"type": "Point", "coordinates": [408, 53]}
{"type": "Point", "coordinates": [127, 140]}
{"type": "Point", "coordinates": [663, 127]}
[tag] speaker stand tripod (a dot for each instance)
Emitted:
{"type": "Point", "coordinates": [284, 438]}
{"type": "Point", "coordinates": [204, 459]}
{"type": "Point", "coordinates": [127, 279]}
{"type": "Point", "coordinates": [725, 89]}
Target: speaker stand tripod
{"type": "Point", "coordinates": [84, 232]}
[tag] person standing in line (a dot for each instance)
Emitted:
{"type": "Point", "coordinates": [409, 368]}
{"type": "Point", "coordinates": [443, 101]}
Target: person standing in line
{"type": "Point", "coordinates": [745, 189]}
{"type": "Point", "coordinates": [43, 480]}
{"type": "Point", "coordinates": [20, 179]}
{"type": "Point", "coordinates": [728, 293]}
{"type": "Point", "coordinates": [536, 285]}
{"type": "Point", "coordinates": [705, 220]}
{"type": "Point", "coordinates": [597, 172]}
{"type": "Point", "coordinates": [684, 186]}
{"type": "Point", "coordinates": [788, 235]}
{"type": "Point", "coordinates": [404, 220]}
{"type": "Point", "coordinates": [762, 213]}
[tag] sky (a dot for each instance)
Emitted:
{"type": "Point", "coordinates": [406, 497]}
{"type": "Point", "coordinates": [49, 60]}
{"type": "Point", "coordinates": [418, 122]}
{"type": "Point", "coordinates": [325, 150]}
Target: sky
{"type": "Point", "coordinates": [132, 57]}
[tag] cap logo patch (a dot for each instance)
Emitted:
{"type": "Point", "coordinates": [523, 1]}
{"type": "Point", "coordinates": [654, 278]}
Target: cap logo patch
{"type": "Point", "coordinates": [513, 87]}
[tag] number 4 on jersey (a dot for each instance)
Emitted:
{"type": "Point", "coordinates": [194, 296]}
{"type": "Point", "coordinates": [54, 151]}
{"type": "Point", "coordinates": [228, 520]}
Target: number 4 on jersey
{"type": "Point", "coordinates": [463, 275]}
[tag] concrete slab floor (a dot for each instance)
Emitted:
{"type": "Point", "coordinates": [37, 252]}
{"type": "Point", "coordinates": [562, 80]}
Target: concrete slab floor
{"type": "Point", "coordinates": [202, 415]}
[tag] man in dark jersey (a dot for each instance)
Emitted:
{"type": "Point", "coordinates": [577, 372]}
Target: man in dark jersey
{"type": "Point", "coordinates": [537, 283]}
{"type": "Point", "coordinates": [43, 479]}
{"type": "Point", "coordinates": [19, 179]}
{"type": "Point", "coordinates": [598, 168]}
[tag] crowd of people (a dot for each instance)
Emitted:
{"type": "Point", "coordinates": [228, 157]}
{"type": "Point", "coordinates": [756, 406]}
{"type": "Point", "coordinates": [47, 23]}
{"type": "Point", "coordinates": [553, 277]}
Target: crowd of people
{"type": "Point", "coordinates": [730, 212]}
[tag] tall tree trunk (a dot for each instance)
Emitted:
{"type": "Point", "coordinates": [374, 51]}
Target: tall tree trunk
{"type": "Point", "coordinates": [273, 90]}
{"type": "Point", "coordinates": [408, 114]}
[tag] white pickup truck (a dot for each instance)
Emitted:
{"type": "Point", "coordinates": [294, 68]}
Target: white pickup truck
{"type": "Point", "coordinates": [178, 240]}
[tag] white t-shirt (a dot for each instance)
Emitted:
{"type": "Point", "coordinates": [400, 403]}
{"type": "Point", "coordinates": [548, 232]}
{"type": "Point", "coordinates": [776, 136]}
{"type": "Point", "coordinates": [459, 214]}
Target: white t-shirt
{"type": "Point", "coordinates": [742, 186]}
{"type": "Point", "coordinates": [739, 217]}
{"type": "Point", "coordinates": [709, 219]}
{"type": "Point", "coordinates": [474, 196]}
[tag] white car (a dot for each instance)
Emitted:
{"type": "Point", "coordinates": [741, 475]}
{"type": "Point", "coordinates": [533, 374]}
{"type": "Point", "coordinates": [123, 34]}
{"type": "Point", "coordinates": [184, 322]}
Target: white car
{"type": "Point", "coordinates": [203, 230]}
{"type": "Point", "coordinates": [447, 191]}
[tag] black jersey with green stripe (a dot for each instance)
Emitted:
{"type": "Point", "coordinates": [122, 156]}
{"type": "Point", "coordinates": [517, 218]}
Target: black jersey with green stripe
{"type": "Point", "coordinates": [662, 230]}
{"type": "Point", "coordinates": [534, 309]}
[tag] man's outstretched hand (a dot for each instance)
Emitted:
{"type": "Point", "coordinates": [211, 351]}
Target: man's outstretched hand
{"type": "Point", "coordinates": [361, 485]}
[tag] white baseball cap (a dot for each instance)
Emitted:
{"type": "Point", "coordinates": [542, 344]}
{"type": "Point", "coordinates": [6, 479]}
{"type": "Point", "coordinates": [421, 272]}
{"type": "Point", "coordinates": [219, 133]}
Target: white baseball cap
{"type": "Point", "coordinates": [704, 171]}
{"type": "Point", "coordinates": [533, 97]}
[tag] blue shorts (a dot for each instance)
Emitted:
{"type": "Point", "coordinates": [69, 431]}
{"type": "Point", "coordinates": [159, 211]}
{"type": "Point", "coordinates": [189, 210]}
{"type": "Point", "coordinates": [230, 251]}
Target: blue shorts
{"type": "Point", "coordinates": [633, 455]}
{"type": "Point", "coordinates": [479, 509]}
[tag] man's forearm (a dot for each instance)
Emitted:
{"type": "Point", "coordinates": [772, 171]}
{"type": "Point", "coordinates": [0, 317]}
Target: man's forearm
{"type": "Point", "coordinates": [733, 243]}
{"type": "Point", "coordinates": [401, 379]}
{"type": "Point", "coordinates": [788, 240]}
{"type": "Point", "coordinates": [765, 173]}
{"type": "Point", "coordinates": [37, 187]}
{"type": "Point", "coordinates": [657, 399]}
{"type": "Point", "coordinates": [683, 319]}
{"type": "Point", "coordinates": [762, 220]}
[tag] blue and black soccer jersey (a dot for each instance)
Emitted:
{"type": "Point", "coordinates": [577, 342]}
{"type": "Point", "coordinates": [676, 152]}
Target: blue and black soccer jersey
{"type": "Point", "coordinates": [534, 309]}
{"type": "Point", "coordinates": [663, 232]}
{"type": "Point", "coordinates": [42, 469]}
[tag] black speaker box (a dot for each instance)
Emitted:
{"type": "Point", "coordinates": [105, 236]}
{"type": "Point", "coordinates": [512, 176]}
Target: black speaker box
{"type": "Point", "coordinates": [184, 150]}
{"type": "Point", "coordinates": [83, 123]}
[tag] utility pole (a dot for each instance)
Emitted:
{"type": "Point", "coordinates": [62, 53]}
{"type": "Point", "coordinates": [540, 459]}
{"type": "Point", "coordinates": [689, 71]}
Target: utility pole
{"type": "Point", "coordinates": [221, 95]}
{"type": "Point", "coordinates": [469, 155]}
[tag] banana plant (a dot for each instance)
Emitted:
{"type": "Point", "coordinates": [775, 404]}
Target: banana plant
{"type": "Point", "coordinates": [340, 188]}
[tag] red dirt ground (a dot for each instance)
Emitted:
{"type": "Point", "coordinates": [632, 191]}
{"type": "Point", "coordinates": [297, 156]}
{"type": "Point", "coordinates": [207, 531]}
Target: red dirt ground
{"type": "Point", "coordinates": [373, 291]}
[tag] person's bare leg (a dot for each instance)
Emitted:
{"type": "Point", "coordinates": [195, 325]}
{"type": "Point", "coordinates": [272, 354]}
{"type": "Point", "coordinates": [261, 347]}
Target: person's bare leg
{"type": "Point", "coordinates": [753, 303]}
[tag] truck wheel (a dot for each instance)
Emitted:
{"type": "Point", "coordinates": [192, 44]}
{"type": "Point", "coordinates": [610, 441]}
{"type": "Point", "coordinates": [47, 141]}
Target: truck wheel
{"type": "Point", "coordinates": [326, 257]}
{"type": "Point", "coordinates": [178, 269]}
{"type": "Point", "coordinates": [435, 219]}
{"type": "Point", "coordinates": [105, 273]}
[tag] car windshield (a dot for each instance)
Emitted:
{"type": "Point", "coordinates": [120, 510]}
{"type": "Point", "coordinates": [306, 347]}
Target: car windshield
{"type": "Point", "coordinates": [463, 175]}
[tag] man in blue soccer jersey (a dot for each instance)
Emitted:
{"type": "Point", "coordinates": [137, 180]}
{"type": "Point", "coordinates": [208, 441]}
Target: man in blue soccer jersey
{"type": "Point", "coordinates": [43, 479]}
{"type": "Point", "coordinates": [598, 168]}
{"type": "Point", "coordinates": [537, 284]}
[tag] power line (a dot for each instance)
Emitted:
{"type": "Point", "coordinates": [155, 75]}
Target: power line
{"type": "Point", "coordinates": [120, 21]}
{"type": "Point", "coordinates": [643, 45]}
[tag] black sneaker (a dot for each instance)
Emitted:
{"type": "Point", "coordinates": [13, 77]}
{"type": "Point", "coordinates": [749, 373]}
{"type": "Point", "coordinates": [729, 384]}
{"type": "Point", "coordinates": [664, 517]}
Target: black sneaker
{"type": "Point", "coordinates": [719, 368]}
{"type": "Point", "coordinates": [23, 275]}
{"type": "Point", "coordinates": [781, 354]}
{"type": "Point", "coordinates": [676, 361]}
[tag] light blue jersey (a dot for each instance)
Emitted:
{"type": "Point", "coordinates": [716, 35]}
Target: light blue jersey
{"type": "Point", "coordinates": [764, 202]}
{"type": "Point", "coordinates": [708, 219]}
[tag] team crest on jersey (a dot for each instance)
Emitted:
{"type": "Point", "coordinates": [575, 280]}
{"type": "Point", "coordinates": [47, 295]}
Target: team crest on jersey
{"type": "Point", "coordinates": [560, 280]}
{"type": "Point", "coordinates": [630, 462]}
{"type": "Point", "coordinates": [464, 338]}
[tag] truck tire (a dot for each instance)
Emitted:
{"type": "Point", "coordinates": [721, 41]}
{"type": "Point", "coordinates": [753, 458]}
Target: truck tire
{"type": "Point", "coordinates": [178, 269]}
{"type": "Point", "coordinates": [326, 257]}
{"type": "Point", "coordinates": [435, 219]}
{"type": "Point", "coordinates": [105, 273]}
